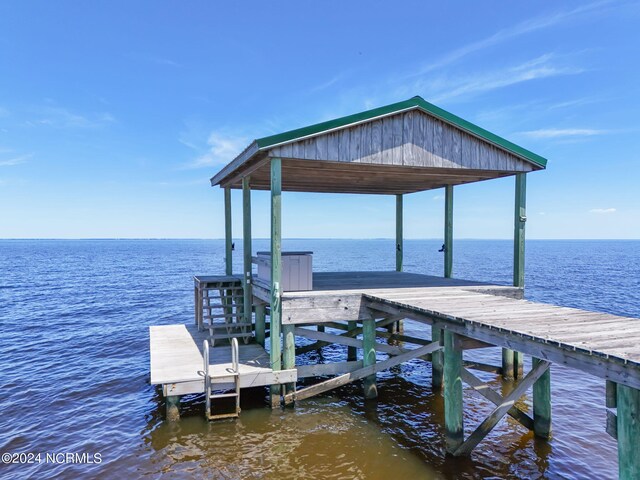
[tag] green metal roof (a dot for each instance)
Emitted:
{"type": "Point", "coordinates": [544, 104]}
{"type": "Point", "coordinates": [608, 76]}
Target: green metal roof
{"type": "Point", "coordinates": [412, 103]}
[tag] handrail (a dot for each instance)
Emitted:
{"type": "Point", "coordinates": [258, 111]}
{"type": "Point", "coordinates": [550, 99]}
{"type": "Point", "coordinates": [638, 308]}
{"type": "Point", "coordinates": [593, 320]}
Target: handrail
{"type": "Point", "coordinates": [234, 354]}
{"type": "Point", "coordinates": [205, 357]}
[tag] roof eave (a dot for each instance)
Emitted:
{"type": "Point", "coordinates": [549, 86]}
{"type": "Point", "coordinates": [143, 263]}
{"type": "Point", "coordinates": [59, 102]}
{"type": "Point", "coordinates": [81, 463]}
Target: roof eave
{"type": "Point", "coordinates": [266, 143]}
{"type": "Point", "coordinates": [246, 154]}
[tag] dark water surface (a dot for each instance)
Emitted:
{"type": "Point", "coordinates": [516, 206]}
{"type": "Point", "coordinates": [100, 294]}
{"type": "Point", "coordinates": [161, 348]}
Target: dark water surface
{"type": "Point", "coordinates": [74, 318]}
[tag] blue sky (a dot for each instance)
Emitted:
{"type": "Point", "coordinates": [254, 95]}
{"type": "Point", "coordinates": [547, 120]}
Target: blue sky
{"type": "Point", "coordinates": [113, 115]}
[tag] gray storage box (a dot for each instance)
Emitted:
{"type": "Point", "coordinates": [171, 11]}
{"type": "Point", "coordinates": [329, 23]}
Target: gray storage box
{"type": "Point", "coordinates": [297, 268]}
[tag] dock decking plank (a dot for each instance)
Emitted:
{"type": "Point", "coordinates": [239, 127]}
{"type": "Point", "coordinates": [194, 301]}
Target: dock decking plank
{"type": "Point", "coordinates": [599, 343]}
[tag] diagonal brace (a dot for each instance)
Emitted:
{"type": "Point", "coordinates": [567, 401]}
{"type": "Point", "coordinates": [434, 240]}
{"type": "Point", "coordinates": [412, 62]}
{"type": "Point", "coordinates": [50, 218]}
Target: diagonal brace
{"type": "Point", "coordinates": [495, 398]}
{"type": "Point", "coordinates": [506, 404]}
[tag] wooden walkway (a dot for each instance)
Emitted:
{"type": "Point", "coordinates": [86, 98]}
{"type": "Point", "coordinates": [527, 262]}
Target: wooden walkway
{"type": "Point", "coordinates": [604, 345]}
{"type": "Point", "coordinates": [601, 344]}
{"type": "Point", "coordinates": [176, 360]}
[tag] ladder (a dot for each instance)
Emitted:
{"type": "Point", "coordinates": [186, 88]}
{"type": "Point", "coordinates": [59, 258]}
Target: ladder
{"type": "Point", "coordinates": [233, 373]}
{"type": "Point", "coordinates": [220, 309]}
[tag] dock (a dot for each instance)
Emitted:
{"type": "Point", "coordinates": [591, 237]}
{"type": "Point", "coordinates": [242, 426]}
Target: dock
{"type": "Point", "coordinates": [394, 150]}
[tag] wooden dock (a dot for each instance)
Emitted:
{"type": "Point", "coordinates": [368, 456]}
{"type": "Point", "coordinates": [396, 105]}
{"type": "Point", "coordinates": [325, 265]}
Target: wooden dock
{"type": "Point", "coordinates": [397, 149]}
{"type": "Point", "coordinates": [176, 362]}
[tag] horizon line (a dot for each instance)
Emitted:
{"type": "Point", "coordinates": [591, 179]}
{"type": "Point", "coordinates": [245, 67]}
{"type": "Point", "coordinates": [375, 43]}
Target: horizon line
{"type": "Point", "coordinates": [307, 238]}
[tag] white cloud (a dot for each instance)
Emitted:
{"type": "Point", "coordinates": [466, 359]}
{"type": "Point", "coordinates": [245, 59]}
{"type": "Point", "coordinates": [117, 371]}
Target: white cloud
{"type": "Point", "coordinates": [4, 112]}
{"type": "Point", "coordinates": [447, 88]}
{"type": "Point", "coordinates": [602, 211]}
{"type": "Point", "coordinates": [522, 28]}
{"type": "Point", "coordinates": [562, 132]}
{"type": "Point", "coordinates": [329, 83]}
{"type": "Point", "coordinates": [203, 182]}
{"type": "Point", "coordinates": [222, 149]}
{"type": "Point", "coordinates": [15, 160]}
{"type": "Point", "coordinates": [58, 117]}
{"type": "Point", "coordinates": [438, 197]}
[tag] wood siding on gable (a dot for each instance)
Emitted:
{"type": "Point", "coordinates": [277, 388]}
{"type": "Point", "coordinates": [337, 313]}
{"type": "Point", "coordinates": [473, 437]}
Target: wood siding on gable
{"type": "Point", "coordinates": [411, 138]}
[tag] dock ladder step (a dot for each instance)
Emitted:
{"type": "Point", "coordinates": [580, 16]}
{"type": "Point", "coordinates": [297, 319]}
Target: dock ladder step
{"type": "Point", "coordinates": [232, 372]}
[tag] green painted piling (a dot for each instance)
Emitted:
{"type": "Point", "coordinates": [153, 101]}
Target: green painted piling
{"type": "Point", "coordinates": [519, 220]}
{"type": "Point", "coordinates": [448, 231]}
{"type": "Point", "coordinates": [260, 323]}
{"type": "Point", "coordinates": [397, 326]}
{"type": "Point", "coordinates": [507, 364]}
{"type": "Point", "coordinates": [228, 239]}
{"type": "Point", "coordinates": [369, 356]}
{"type": "Point", "coordinates": [628, 423]}
{"type": "Point", "coordinates": [453, 407]}
{"type": "Point", "coordinates": [611, 394]}
{"type": "Point", "coordinates": [352, 352]}
{"type": "Point", "coordinates": [288, 353]}
{"type": "Point", "coordinates": [276, 274]}
{"type": "Point", "coordinates": [542, 403]}
{"type": "Point", "coordinates": [246, 242]}
{"type": "Point", "coordinates": [437, 371]}
{"type": "Point", "coordinates": [399, 239]}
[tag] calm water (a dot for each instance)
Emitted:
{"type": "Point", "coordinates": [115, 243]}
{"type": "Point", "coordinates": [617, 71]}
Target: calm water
{"type": "Point", "coordinates": [74, 319]}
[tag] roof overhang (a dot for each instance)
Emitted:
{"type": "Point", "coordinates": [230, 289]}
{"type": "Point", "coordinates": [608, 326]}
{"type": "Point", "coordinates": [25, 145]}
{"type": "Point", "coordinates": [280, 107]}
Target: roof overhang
{"type": "Point", "coordinates": [319, 171]}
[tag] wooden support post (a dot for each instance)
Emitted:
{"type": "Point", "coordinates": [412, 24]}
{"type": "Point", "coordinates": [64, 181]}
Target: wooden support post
{"type": "Point", "coordinates": [288, 353]}
{"type": "Point", "coordinates": [507, 364]}
{"type": "Point", "coordinates": [352, 352]}
{"type": "Point", "coordinates": [369, 356]}
{"type": "Point", "coordinates": [448, 231]}
{"type": "Point", "coordinates": [542, 403]}
{"type": "Point", "coordinates": [399, 240]}
{"type": "Point", "coordinates": [437, 371]}
{"type": "Point", "coordinates": [518, 365]}
{"type": "Point", "coordinates": [611, 395]}
{"type": "Point", "coordinates": [246, 242]}
{"type": "Point", "coordinates": [398, 327]}
{"type": "Point", "coordinates": [228, 239]}
{"type": "Point", "coordinates": [172, 408]}
{"type": "Point", "coordinates": [260, 323]}
{"type": "Point", "coordinates": [453, 407]}
{"type": "Point", "coordinates": [276, 274]}
{"type": "Point", "coordinates": [628, 402]}
{"type": "Point", "coordinates": [519, 219]}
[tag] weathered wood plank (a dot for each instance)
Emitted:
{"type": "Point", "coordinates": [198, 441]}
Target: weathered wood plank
{"type": "Point", "coordinates": [322, 147]}
{"type": "Point", "coordinates": [355, 143]}
{"type": "Point", "coordinates": [333, 146]}
{"type": "Point", "coordinates": [376, 142]}
{"type": "Point", "coordinates": [335, 368]}
{"type": "Point", "coordinates": [407, 139]}
{"type": "Point", "coordinates": [344, 145]}
{"type": "Point", "coordinates": [347, 340]}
